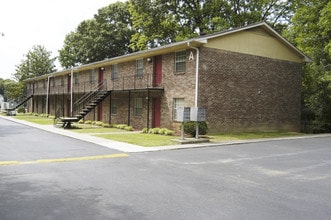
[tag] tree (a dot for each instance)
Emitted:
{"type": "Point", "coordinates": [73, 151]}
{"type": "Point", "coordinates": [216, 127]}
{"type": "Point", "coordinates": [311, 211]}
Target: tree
{"type": "Point", "coordinates": [310, 32]}
{"type": "Point", "coordinates": [107, 35]}
{"type": "Point", "coordinates": [37, 62]}
{"type": "Point", "coordinates": [153, 23]}
{"type": "Point", "coordinates": [14, 90]}
{"type": "Point", "coordinates": [174, 20]}
{"type": "Point", "coordinates": [11, 89]}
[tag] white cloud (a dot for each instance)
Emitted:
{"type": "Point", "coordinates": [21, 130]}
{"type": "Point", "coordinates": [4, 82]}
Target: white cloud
{"type": "Point", "coordinates": [26, 23]}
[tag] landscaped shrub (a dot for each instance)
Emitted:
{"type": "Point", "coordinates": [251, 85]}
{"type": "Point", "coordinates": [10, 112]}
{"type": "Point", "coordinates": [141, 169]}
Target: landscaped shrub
{"type": "Point", "coordinates": [106, 125]}
{"type": "Point", "coordinates": [154, 130]}
{"type": "Point", "coordinates": [88, 122]}
{"type": "Point", "coordinates": [98, 123]}
{"type": "Point", "coordinates": [189, 128]}
{"type": "Point", "coordinates": [162, 131]}
{"type": "Point", "coordinates": [128, 128]}
{"type": "Point", "coordinates": [168, 132]}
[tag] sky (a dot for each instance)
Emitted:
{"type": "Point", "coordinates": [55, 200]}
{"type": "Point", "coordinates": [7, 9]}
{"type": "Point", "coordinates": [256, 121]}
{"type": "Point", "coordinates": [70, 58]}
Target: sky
{"type": "Point", "coordinates": [26, 23]}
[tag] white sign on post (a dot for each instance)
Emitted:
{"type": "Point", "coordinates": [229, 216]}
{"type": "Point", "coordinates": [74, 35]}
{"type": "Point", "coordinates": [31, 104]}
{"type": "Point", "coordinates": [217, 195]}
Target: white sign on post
{"type": "Point", "coordinates": [183, 114]}
{"type": "Point", "coordinates": [198, 114]}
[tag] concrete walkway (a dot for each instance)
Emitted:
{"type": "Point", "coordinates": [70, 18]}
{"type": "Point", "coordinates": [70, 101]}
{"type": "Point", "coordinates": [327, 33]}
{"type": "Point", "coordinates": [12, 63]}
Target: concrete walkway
{"type": "Point", "coordinates": [131, 148]}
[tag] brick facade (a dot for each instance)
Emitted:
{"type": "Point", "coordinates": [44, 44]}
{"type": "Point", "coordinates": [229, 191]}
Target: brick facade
{"type": "Point", "coordinates": [245, 92]}
{"type": "Point", "coordinates": [241, 91]}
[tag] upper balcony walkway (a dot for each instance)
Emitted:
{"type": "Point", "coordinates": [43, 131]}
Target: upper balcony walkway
{"type": "Point", "coordinates": [125, 83]}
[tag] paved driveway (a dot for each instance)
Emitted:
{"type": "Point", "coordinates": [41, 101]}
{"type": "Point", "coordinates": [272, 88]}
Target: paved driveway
{"type": "Point", "coordinates": [288, 179]}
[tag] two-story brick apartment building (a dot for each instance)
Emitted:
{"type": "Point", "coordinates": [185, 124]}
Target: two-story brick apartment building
{"type": "Point", "coordinates": [248, 78]}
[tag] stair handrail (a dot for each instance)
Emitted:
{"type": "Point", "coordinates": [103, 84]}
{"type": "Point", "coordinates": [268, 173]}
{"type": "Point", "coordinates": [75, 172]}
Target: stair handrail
{"type": "Point", "coordinates": [93, 91]}
{"type": "Point", "coordinates": [21, 102]}
{"type": "Point", "coordinates": [88, 96]}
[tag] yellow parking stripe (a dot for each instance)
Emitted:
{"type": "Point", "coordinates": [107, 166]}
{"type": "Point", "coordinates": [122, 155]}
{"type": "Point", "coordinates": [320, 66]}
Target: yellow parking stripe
{"type": "Point", "coordinates": [71, 159]}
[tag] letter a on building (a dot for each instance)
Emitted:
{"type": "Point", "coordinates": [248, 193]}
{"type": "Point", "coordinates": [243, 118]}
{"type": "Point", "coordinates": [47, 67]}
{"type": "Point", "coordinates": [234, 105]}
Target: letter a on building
{"type": "Point", "coordinates": [191, 57]}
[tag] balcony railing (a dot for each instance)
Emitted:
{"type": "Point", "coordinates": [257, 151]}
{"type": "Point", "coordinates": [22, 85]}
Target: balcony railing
{"type": "Point", "coordinates": [132, 82]}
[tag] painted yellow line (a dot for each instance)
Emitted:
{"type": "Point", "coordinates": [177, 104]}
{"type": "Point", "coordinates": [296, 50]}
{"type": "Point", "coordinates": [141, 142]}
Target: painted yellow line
{"type": "Point", "coordinates": [6, 163]}
{"type": "Point", "coordinates": [70, 159]}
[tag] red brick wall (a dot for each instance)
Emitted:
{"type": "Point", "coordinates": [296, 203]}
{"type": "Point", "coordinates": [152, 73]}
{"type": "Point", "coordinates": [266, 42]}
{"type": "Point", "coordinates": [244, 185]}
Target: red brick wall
{"type": "Point", "coordinates": [245, 92]}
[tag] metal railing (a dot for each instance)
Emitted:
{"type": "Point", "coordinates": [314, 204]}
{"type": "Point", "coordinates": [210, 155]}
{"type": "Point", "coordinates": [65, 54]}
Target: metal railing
{"type": "Point", "coordinates": [131, 82]}
{"type": "Point", "coordinates": [100, 88]}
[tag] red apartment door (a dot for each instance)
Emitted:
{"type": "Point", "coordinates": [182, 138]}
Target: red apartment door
{"type": "Point", "coordinates": [156, 121]}
{"type": "Point", "coordinates": [100, 79]}
{"type": "Point", "coordinates": [157, 71]}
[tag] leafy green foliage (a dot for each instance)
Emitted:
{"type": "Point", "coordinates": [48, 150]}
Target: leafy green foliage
{"type": "Point", "coordinates": [107, 35]}
{"type": "Point", "coordinates": [190, 128]}
{"type": "Point", "coordinates": [310, 32]}
{"type": "Point", "coordinates": [36, 62]}
{"type": "Point", "coordinates": [15, 90]}
{"type": "Point", "coordinates": [159, 22]}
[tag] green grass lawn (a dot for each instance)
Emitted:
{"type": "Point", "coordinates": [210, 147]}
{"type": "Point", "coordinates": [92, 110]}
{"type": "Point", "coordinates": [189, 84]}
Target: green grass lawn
{"type": "Point", "coordinates": [150, 140]}
{"type": "Point", "coordinates": [88, 128]}
{"type": "Point", "coordinates": [251, 135]}
{"type": "Point", "coordinates": [34, 119]}
{"type": "Point", "coordinates": [141, 139]}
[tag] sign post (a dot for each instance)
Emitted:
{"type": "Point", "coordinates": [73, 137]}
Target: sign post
{"type": "Point", "coordinates": [183, 115]}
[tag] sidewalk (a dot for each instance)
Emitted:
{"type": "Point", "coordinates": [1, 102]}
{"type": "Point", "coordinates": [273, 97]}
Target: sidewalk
{"type": "Point", "coordinates": [131, 148]}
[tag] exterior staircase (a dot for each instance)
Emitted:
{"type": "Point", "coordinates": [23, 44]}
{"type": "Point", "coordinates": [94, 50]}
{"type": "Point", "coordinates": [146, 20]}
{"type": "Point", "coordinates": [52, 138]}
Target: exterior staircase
{"type": "Point", "coordinates": [85, 104]}
{"type": "Point", "coordinates": [10, 110]}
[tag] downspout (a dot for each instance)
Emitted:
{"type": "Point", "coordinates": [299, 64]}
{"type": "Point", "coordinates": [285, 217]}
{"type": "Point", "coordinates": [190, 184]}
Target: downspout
{"type": "Point", "coordinates": [47, 94]}
{"type": "Point", "coordinates": [196, 86]}
{"type": "Point", "coordinates": [196, 75]}
{"type": "Point", "coordinates": [71, 90]}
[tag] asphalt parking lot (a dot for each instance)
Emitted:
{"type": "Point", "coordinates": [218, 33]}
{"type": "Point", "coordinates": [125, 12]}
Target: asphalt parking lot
{"type": "Point", "coordinates": [276, 179]}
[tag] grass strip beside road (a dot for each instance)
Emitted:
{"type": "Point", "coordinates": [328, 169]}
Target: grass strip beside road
{"type": "Point", "coordinates": [251, 135]}
{"type": "Point", "coordinates": [151, 140]}
{"type": "Point", "coordinates": [35, 119]}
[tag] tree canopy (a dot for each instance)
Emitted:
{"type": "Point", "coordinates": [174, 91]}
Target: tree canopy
{"type": "Point", "coordinates": [163, 21]}
{"type": "Point", "coordinates": [36, 62]}
{"type": "Point", "coordinates": [107, 35]}
{"type": "Point", "coordinates": [310, 32]}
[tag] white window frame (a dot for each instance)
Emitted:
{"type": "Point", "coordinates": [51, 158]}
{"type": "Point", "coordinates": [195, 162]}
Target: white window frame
{"type": "Point", "coordinates": [177, 103]}
{"type": "Point", "coordinates": [114, 71]}
{"type": "Point", "coordinates": [139, 67]}
{"type": "Point", "coordinates": [180, 61]}
{"type": "Point", "coordinates": [113, 107]}
{"type": "Point", "coordinates": [92, 76]}
{"type": "Point", "coordinates": [138, 107]}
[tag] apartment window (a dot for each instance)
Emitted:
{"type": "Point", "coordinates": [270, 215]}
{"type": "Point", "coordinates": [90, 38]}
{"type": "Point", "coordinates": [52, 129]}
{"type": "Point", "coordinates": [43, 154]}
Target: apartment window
{"type": "Point", "coordinates": [62, 81]}
{"type": "Point", "coordinates": [138, 106]}
{"type": "Point", "coordinates": [139, 67]}
{"type": "Point", "coordinates": [178, 102]}
{"type": "Point", "coordinates": [76, 77]}
{"type": "Point", "coordinates": [92, 76]}
{"type": "Point", "coordinates": [180, 61]}
{"type": "Point", "coordinates": [114, 71]}
{"type": "Point", "coordinates": [113, 108]}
